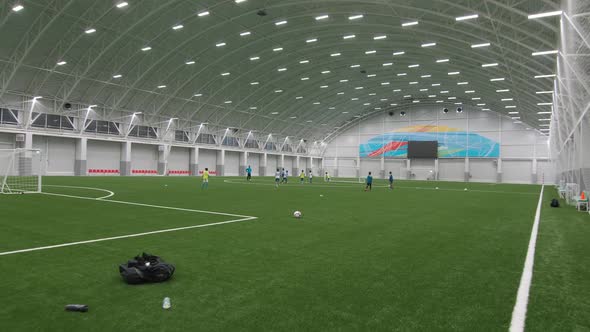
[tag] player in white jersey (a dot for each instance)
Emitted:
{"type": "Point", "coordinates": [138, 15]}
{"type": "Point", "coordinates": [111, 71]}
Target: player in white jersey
{"type": "Point", "coordinates": [277, 178]}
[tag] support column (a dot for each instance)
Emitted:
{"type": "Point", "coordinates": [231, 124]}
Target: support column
{"type": "Point", "coordinates": [243, 162]}
{"type": "Point", "coordinates": [125, 166]}
{"type": "Point", "coordinates": [25, 141]}
{"type": "Point", "coordinates": [499, 171]}
{"type": "Point", "coordinates": [194, 161]}
{"type": "Point", "coordinates": [220, 169]}
{"type": "Point", "coordinates": [335, 168]}
{"type": "Point", "coordinates": [382, 169]}
{"type": "Point", "coordinates": [262, 168]}
{"type": "Point", "coordinates": [282, 165]}
{"type": "Point", "coordinates": [436, 169]}
{"type": "Point", "coordinates": [296, 168]}
{"type": "Point", "coordinates": [534, 176]}
{"type": "Point", "coordinates": [81, 162]}
{"type": "Point", "coordinates": [163, 153]}
{"type": "Point", "coordinates": [408, 169]}
{"type": "Point", "coordinates": [467, 174]}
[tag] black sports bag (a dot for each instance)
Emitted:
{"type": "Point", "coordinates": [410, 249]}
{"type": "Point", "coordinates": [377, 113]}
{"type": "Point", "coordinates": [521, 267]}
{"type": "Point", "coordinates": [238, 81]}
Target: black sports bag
{"type": "Point", "coordinates": [146, 268]}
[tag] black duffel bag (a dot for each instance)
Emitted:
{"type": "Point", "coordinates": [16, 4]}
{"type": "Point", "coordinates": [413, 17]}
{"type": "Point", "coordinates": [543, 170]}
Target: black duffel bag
{"type": "Point", "coordinates": [146, 268]}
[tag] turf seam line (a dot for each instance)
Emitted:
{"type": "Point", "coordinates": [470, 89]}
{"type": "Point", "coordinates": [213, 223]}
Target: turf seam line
{"type": "Point", "coordinates": [125, 236]}
{"type": "Point", "coordinates": [518, 321]}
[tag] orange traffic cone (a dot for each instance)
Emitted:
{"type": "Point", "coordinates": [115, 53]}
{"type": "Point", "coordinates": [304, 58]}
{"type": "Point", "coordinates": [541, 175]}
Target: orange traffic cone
{"type": "Point", "coordinates": [583, 196]}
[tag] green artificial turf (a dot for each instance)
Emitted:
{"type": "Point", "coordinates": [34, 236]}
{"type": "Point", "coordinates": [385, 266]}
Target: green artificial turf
{"type": "Point", "coordinates": [413, 258]}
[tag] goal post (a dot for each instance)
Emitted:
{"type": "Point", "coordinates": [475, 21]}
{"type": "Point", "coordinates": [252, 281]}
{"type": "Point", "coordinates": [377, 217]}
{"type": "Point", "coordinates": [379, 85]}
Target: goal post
{"type": "Point", "coordinates": [20, 171]}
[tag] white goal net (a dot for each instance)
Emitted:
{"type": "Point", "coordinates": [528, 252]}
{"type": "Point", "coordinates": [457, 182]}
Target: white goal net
{"type": "Point", "coordinates": [20, 171]}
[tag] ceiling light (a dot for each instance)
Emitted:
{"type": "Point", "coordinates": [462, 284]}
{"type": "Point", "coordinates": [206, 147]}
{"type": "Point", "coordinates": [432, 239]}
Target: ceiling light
{"type": "Point", "coordinates": [545, 76]}
{"type": "Point", "coordinates": [254, 58]}
{"type": "Point", "coordinates": [355, 66]}
{"type": "Point", "coordinates": [225, 74]}
{"type": "Point", "coordinates": [335, 54]}
{"type": "Point", "coordinates": [413, 83]}
{"type": "Point", "coordinates": [355, 17]}
{"type": "Point", "coordinates": [503, 90]}
{"type": "Point", "coordinates": [423, 90]}
{"type": "Point", "coordinates": [340, 93]}
{"type": "Point", "coordinates": [497, 79]}
{"type": "Point", "coordinates": [198, 95]}
{"type": "Point", "coordinates": [431, 96]}
{"type": "Point", "coordinates": [220, 44]}
{"type": "Point", "coordinates": [379, 37]}
{"type": "Point", "coordinates": [354, 99]}
{"type": "Point", "coordinates": [305, 78]}
{"type": "Point", "coordinates": [426, 76]}
{"type": "Point", "coordinates": [147, 48]}
{"type": "Point", "coordinates": [490, 65]}
{"type": "Point", "coordinates": [442, 60]}
{"type": "Point", "coordinates": [313, 40]}
{"type": "Point", "coordinates": [470, 91]}
{"type": "Point", "coordinates": [397, 90]}
{"type": "Point", "coordinates": [544, 125]}
{"type": "Point", "coordinates": [402, 74]}
{"type": "Point", "coordinates": [476, 98]}
{"type": "Point", "coordinates": [245, 33]}
{"type": "Point", "coordinates": [367, 104]}
{"type": "Point", "coordinates": [481, 104]}
{"type": "Point", "coordinates": [544, 104]}
{"type": "Point", "coordinates": [545, 119]}
{"type": "Point", "coordinates": [274, 113]}
{"type": "Point", "coordinates": [392, 104]}
{"type": "Point", "coordinates": [513, 112]}
{"type": "Point", "coordinates": [304, 61]}
{"type": "Point", "coordinates": [545, 52]}
{"type": "Point", "coordinates": [89, 31]}
{"type": "Point", "coordinates": [323, 87]}
{"type": "Point", "coordinates": [278, 91]}
{"type": "Point", "coordinates": [278, 49]}
{"type": "Point", "coordinates": [480, 45]}
{"type": "Point", "coordinates": [544, 112]}
{"type": "Point", "coordinates": [452, 98]}
{"type": "Point", "coordinates": [462, 83]}
{"type": "Point", "coordinates": [408, 96]}
{"type": "Point", "coordinates": [282, 69]}
{"type": "Point", "coordinates": [343, 81]}
{"type": "Point", "coordinates": [399, 53]}
{"type": "Point", "coordinates": [439, 101]}
{"type": "Point", "coordinates": [510, 106]}
{"type": "Point", "coordinates": [293, 117]}
{"type": "Point", "coordinates": [428, 44]}
{"type": "Point", "coordinates": [383, 99]}
{"type": "Point", "coordinates": [228, 102]}
{"type": "Point", "coordinates": [317, 103]}
{"type": "Point", "coordinates": [385, 83]}
{"type": "Point", "coordinates": [348, 37]}
{"type": "Point", "coordinates": [515, 117]}
{"type": "Point", "coordinates": [507, 99]}
{"type": "Point", "coordinates": [444, 91]}
{"type": "Point", "coordinates": [359, 88]}
{"type": "Point", "coordinates": [281, 23]}
{"type": "Point", "coordinates": [547, 14]}
{"type": "Point", "coordinates": [254, 83]}
{"type": "Point", "coordinates": [299, 97]}
{"type": "Point", "coordinates": [17, 8]}
{"type": "Point", "coordinates": [387, 64]}
{"type": "Point", "coordinates": [485, 109]}
{"type": "Point", "coordinates": [407, 24]}
{"type": "Point", "coordinates": [239, 1]}
{"type": "Point", "coordinates": [371, 75]}
{"type": "Point", "coordinates": [415, 101]}
{"type": "Point", "coordinates": [117, 76]}
{"type": "Point", "coordinates": [435, 84]}
{"type": "Point", "coordinates": [454, 73]}
{"type": "Point", "coordinates": [467, 17]}
{"type": "Point", "coordinates": [371, 52]}
{"type": "Point", "coordinates": [178, 27]}
{"type": "Point", "coordinates": [326, 72]}
{"type": "Point", "coordinates": [414, 66]}
{"type": "Point", "coordinates": [201, 14]}
{"type": "Point", "coordinates": [543, 92]}
{"type": "Point", "coordinates": [321, 17]}
{"type": "Point", "coordinates": [161, 86]}
{"type": "Point", "coordinates": [61, 63]}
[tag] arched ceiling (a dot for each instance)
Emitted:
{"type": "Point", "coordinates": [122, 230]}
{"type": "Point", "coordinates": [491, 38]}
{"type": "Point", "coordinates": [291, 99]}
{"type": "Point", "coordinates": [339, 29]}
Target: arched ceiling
{"type": "Point", "coordinates": [226, 66]}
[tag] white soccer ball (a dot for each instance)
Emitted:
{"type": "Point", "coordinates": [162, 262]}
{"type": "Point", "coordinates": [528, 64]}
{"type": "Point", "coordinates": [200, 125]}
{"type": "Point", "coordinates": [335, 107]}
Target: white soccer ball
{"type": "Point", "coordinates": [436, 187]}
{"type": "Point", "coordinates": [465, 189]}
{"type": "Point", "coordinates": [297, 214]}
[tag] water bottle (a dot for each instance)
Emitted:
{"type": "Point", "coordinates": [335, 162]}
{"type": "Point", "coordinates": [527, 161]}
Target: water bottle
{"type": "Point", "coordinates": [166, 304]}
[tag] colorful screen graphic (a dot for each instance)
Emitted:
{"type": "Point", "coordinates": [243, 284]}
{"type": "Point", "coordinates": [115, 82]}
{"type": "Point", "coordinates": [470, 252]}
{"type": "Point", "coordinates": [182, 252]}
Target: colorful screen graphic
{"type": "Point", "coordinates": [452, 143]}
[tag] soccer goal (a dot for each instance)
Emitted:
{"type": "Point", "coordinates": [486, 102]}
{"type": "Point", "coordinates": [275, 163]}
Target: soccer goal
{"type": "Point", "coordinates": [20, 171]}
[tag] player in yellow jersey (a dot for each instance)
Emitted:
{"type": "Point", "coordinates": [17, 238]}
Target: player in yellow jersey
{"type": "Point", "coordinates": [302, 177]}
{"type": "Point", "coordinates": [205, 183]}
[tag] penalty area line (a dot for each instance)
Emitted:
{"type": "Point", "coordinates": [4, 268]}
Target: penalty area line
{"type": "Point", "coordinates": [522, 296]}
{"type": "Point", "coordinates": [125, 236]}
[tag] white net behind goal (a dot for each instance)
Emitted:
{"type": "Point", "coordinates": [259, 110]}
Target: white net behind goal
{"type": "Point", "coordinates": [20, 171]}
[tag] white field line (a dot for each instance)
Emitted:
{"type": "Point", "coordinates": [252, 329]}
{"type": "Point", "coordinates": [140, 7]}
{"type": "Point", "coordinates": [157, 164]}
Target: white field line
{"type": "Point", "coordinates": [111, 194]}
{"type": "Point", "coordinates": [346, 185]}
{"type": "Point", "coordinates": [522, 297]}
{"type": "Point", "coordinates": [124, 236]}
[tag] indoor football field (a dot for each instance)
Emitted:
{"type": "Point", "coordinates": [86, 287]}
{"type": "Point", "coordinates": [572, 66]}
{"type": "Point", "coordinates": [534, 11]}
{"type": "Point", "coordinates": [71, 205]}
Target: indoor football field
{"type": "Point", "coordinates": [412, 258]}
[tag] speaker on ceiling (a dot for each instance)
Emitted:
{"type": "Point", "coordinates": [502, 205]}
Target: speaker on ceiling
{"type": "Point", "coordinates": [391, 113]}
{"type": "Point", "coordinates": [446, 110]}
{"type": "Point", "coordinates": [67, 106]}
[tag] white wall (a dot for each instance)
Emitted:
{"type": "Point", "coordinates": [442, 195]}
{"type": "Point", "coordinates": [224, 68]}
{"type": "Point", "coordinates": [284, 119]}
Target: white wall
{"type": "Point", "coordinates": [103, 154]}
{"type": "Point", "coordinates": [254, 162]}
{"type": "Point", "coordinates": [59, 154]}
{"type": "Point", "coordinates": [232, 163]}
{"type": "Point", "coordinates": [179, 159]}
{"type": "Point", "coordinates": [7, 141]}
{"type": "Point", "coordinates": [207, 159]}
{"type": "Point", "coordinates": [272, 164]}
{"type": "Point", "coordinates": [516, 142]}
{"type": "Point", "coordinates": [144, 157]}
